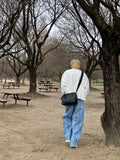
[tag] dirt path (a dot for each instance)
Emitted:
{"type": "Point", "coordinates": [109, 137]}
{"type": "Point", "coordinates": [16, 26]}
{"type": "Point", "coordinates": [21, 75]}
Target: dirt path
{"type": "Point", "coordinates": [36, 132]}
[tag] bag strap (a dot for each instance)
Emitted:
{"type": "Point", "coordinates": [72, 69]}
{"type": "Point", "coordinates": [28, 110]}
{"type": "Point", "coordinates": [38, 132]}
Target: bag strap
{"type": "Point", "coordinates": [80, 81]}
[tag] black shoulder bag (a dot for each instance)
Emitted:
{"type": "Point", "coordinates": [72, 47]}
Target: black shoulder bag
{"type": "Point", "coordinates": [71, 98]}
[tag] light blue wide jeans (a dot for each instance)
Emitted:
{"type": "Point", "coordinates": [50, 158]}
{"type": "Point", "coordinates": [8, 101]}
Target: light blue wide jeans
{"type": "Point", "coordinates": [73, 122]}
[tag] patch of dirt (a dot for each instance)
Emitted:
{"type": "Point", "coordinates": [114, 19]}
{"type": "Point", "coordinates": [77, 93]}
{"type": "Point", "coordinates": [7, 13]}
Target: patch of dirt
{"type": "Point", "coordinates": [36, 132]}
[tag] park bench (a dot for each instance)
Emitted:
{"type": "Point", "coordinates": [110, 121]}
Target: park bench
{"type": "Point", "coordinates": [6, 85]}
{"type": "Point", "coordinates": [3, 101]}
{"type": "Point", "coordinates": [16, 96]}
{"type": "Point", "coordinates": [41, 82]}
{"type": "Point", "coordinates": [40, 89]}
{"type": "Point", "coordinates": [27, 99]}
{"type": "Point", "coordinates": [11, 85]}
{"type": "Point", "coordinates": [54, 88]}
{"type": "Point", "coordinates": [16, 85]}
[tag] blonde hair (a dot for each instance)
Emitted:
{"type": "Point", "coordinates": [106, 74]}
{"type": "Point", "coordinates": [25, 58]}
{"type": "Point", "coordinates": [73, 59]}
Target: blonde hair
{"type": "Point", "coordinates": [75, 63]}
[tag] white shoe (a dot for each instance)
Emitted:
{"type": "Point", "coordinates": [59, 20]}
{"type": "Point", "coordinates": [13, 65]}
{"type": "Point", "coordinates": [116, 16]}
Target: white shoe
{"type": "Point", "coordinates": [74, 146]}
{"type": "Point", "coordinates": [67, 141]}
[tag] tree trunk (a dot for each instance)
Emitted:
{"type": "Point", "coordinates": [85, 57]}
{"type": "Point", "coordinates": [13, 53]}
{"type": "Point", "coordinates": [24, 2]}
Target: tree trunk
{"type": "Point", "coordinates": [18, 78]}
{"type": "Point", "coordinates": [23, 80]}
{"type": "Point", "coordinates": [5, 79]}
{"type": "Point", "coordinates": [111, 117]}
{"type": "Point", "coordinates": [32, 73]}
{"type": "Point", "coordinates": [59, 76]}
{"type": "Point", "coordinates": [91, 64]}
{"type": "Point", "coordinates": [89, 75]}
{"type": "Point", "coordinates": [1, 77]}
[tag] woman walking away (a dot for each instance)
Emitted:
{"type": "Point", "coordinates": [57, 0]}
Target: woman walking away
{"type": "Point", "coordinates": [74, 114]}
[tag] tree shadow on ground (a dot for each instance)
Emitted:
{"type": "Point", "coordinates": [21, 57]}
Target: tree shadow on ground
{"type": "Point", "coordinates": [90, 139]}
{"type": "Point", "coordinates": [15, 106]}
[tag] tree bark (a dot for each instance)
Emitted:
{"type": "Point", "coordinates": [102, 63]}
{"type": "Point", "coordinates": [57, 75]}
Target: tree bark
{"type": "Point", "coordinates": [18, 78]}
{"type": "Point", "coordinates": [111, 117]}
{"type": "Point", "coordinates": [32, 73]}
{"type": "Point", "coordinates": [23, 80]}
{"type": "Point", "coordinates": [110, 51]}
{"type": "Point", "coordinates": [89, 73]}
{"type": "Point", "coordinates": [1, 77]}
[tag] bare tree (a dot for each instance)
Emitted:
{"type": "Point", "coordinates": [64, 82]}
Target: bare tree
{"type": "Point", "coordinates": [9, 13]}
{"type": "Point", "coordinates": [84, 46]}
{"type": "Point", "coordinates": [32, 31]}
{"type": "Point", "coordinates": [58, 60]}
{"type": "Point", "coordinates": [105, 15]}
{"type": "Point", "coordinates": [17, 67]}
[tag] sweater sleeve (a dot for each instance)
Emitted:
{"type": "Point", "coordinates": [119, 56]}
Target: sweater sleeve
{"type": "Point", "coordinates": [63, 83]}
{"type": "Point", "coordinates": [86, 84]}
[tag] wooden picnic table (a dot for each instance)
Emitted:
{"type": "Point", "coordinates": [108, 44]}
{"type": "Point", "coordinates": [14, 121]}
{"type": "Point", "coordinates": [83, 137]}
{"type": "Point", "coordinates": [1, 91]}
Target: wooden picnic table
{"type": "Point", "coordinates": [48, 87]}
{"type": "Point", "coordinates": [16, 96]}
{"type": "Point", "coordinates": [45, 87]}
{"type": "Point", "coordinates": [11, 85]}
{"type": "Point", "coordinates": [3, 101]}
{"type": "Point", "coordinates": [44, 82]}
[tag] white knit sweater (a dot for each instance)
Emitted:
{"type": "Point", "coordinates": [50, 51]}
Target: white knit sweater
{"type": "Point", "coordinates": [70, 80]}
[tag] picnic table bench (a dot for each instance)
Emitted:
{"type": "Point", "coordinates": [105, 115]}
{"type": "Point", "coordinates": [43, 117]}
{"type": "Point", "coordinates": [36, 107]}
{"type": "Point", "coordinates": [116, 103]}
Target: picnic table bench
{"type": "Point", "coordinates": [45, 83]}
{"type": "Point", "coordinates": [11, 85]}
{"type": "Point", "coordinates": [16, 85]}
{"type": "Point", "coordinates": [41, 88]}
{"type": "Point", "coordinates": [6, 86]}
{"type": "Point", "coordinates": [16, 95]}
{"type": "Point", "coordinates": [54, 88]}
{"type": "Point", "coordinates": [3, 101]}
{"type": "Point", "coordinates": [27, 99]}
{"type": "Point", "coordinates": [48, 88]}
